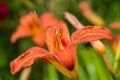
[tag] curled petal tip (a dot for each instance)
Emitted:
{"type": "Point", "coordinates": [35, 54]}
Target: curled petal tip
{"type": "Point", "coordinates": [12, 65]}
{"type": "Point", "coordinates": [13, 39]}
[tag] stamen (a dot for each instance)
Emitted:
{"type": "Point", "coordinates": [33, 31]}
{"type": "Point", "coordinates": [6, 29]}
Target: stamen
{"type": "Point", "coordinates": [61, 32]}
{"type": "Point", "coordinates": [58, 36]}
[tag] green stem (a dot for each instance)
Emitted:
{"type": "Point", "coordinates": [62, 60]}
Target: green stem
{"type": "Point", "coordinates": [105, 58]}
{"type": "Point", "coordinates": [117, 64]}
{"type": "Point", "coordinates": [25, 73]}
{"type": "Point", "coordinates": [52, 72]}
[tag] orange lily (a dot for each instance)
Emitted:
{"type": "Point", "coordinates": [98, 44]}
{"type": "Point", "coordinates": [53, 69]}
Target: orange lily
{"type": "Point", "coordinates": [31, 25]}
{"type": "Point", "coordinates": [97, 45]}
{"type": "Point", "coordinates": [61, 54]}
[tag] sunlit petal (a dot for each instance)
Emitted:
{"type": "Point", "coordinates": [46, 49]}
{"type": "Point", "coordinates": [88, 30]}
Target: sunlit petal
{"type": "Point", "coordinates": [90, 33]}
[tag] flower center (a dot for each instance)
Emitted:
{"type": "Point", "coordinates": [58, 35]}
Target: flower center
{"type": "Point", "coordinates": [36, 29]}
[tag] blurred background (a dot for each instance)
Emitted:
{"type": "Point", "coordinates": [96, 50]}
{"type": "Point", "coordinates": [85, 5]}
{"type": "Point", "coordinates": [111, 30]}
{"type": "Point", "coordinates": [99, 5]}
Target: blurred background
{"type": "Point", "coordinates": [91, 65]}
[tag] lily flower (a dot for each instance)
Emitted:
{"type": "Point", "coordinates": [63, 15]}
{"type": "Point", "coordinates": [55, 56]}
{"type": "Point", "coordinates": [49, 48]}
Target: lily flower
{"type": "Point", "coordinates": [97, 45]}
{"type": "Point", "coordinates": [61, 51]}
{"type": "Point", "coordinates": [31, 25]}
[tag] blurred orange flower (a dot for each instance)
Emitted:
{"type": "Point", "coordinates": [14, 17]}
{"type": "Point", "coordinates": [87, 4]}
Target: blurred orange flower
{"type": "Point", "coordinates": [31, 25]}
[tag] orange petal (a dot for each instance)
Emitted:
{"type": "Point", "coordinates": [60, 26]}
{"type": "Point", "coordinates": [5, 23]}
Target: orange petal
{"type": "Point", "coordinates": [66, 57]}
{"type": "Point", "coordinates": [115, 25]}
{"type": "Point", "coordinates": [90, 33]}
{"type": "Point", "coordinates": [29, 19]}
{"type": "Point", "coordinates": [47, 19]}
{"type": "Point", "coordinates": [57, 37]}
{"type": "Point", "coordinates": [29, 26]}
{"type": "Point", "coordinates": [73, 20]}
{"type": "Point", "coordinates": [22, 31]}
{"type": "Point", "coordinates": [25, 27]}
{"type": "Point", "coordinates": [27, 58]}
{"type": "Point", "coordinates": [39, 39]}
{"type": "Point", "coordinates": [114, 42]}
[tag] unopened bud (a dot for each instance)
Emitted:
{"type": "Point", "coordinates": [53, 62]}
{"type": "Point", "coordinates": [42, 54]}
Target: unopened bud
{"type": "Point", "coordinates": [89, 14]}
{"type": "Point", "coordinates": [99, 47]}
{"type": "Point", "coordinates": [25, 73]}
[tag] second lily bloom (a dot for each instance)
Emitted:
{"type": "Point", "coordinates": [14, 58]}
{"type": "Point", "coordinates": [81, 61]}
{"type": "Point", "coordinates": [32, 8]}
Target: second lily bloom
{"type": "Point", "coordinates": [35, 27]}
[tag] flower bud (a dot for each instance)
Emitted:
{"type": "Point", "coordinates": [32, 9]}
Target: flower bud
{"type": "Point", "coordinates": [89, 14]}
{"type": "Point", "coordinates": [99, 47]}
